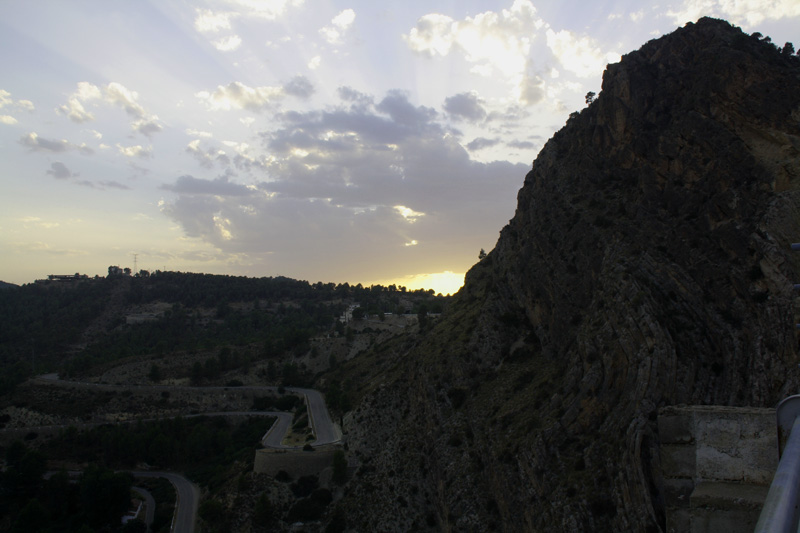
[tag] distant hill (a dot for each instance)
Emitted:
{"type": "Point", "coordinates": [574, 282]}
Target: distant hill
{"type": "Point", "coordinates": [4, 285]}
{"type": "Point", "coordinates": [648, 264]}
{"type": "Point", "coordinates": [73, 328]}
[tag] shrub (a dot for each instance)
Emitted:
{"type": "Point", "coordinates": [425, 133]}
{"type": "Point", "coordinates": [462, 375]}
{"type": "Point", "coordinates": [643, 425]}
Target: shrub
{"type": "Point", "coordinates": [306, 510]}
{"type": "Point", "coordinates": [339, 467]}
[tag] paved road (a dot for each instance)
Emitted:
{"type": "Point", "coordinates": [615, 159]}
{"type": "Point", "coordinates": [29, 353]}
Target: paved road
{"type": "Point", "coordinates": [324, 428]}
{"type": "Point", "coordinates": [188, 493]}
{"type": "Point", "coordinates": [188, 497]}
{"type": "Point", "coordinates": [150, 506]}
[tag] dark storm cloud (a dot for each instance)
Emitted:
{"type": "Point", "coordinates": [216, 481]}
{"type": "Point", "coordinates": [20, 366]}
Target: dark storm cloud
{"type": "Point", "coordinates": [465, 106]}
{"type": "Point", "coordinates": [60, 171]}
{"type": "Point", "coordinates": [300, 87]}
{"type": "Point", "coordinates": [481, 142]}
{"type": "Point", "coordinates": [194, 186]}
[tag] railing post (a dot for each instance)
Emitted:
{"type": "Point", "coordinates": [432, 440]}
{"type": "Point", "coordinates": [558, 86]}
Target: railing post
{"type": "Point", "coordinates": [780, 511]}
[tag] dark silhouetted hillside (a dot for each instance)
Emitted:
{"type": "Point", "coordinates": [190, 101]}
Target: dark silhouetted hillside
{"type": "Point", "coordinates": [647, 264]}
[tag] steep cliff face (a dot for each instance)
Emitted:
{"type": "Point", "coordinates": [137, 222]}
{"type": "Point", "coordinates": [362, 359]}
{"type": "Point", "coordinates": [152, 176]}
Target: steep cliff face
{"type": "Point", "coordinates": [647, 264]}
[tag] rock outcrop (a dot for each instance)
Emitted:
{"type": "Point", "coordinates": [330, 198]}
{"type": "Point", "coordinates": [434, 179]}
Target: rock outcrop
{"type": "Point", "coordinates": [647, 265]}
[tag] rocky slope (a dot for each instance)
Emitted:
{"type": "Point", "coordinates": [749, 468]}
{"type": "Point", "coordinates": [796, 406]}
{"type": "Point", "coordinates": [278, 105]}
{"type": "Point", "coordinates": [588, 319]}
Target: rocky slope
{"type": "Point", "coordinates": [647, 264]}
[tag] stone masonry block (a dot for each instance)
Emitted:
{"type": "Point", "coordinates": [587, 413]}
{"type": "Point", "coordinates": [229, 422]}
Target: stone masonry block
{"type": "Point", "coordinates": [678, 460]}
{"type": "Point", "coordinates": [675, 429]}
{"type": "Point", "coordinates": [677, 492]}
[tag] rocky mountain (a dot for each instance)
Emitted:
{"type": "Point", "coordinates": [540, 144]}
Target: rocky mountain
{"type": "Point", "coordinates": [647, 265]}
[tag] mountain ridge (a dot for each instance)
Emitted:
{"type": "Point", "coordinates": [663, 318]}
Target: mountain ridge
{"type": "Point", "coordinates": [647, 265]}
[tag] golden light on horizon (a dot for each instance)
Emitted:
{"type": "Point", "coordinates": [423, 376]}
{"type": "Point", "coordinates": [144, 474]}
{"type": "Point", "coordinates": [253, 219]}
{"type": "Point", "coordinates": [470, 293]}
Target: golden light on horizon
{"type": "Point", "coordinates": [446, 282]}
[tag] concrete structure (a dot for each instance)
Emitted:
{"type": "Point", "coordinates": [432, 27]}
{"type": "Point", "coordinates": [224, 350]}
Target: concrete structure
{"type": "Point", "coordinates": [295, 462]}
{"type": "Point", "coordinates": [717, 464]}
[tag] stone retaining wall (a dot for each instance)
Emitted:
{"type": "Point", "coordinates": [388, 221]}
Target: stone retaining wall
{"type": "Point", "coordinates": [717, 464]}
{"type": "Point", "coordinates": [295, 462]}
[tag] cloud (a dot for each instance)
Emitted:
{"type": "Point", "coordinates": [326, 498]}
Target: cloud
{"type": "Point", "coordinates": [228, 44]}
{"type": "Point", "coordinates": [363, 179]}
{"type": "Point", "coordinates": [237, 95]}
{"type": "Point", "coordinates": [204, 157]}
{"type": "Point", "coordinates": [300, 87]}
{"type": "Point", "coordinates": [6, 100]}
{"type": "Point", "coordinates": [339, 25]}
{"type": "Point", "coordinates": [38, 222]}
{"type": "Point", "coordinates": [491, 40]}
{"type": "Point", "coordinates": [522, 145]}
{"type": "Point", "coordinates": [115, 185]}
{"type": "Point", "coordinates": [74, 109]}
{"type": "Point", "coordinates": [465, 106]}
{"type": "Point", "coordinates": [209, 156]}
{"type": "Point", "coordinates": [208, 21]}
{"type": "Point", "coordinates": [125, 98]}
{"type": "Point", "coordinates": [402, 112]}
{"type": "Point", "coordinates": [740, 12]}
{"type": "Point", "coordinates": [531, 90]}
{"type": "Point", "coordinates": [357, 99]}
{"type": "Point", "coordinates": [266, 9]}
{"type": "Point", "coordinates": [190, 185]}
{"type": "Point", "coordinates": [147, 127]}
{"type": "Point", "coordinates": [579, 55]}
{"type": "Point", "coordinates": [103, 185]}
{"type": "Point", "coordinates": [134, 151]}
{"type": "Point", "coordinates": [314, 63]}
{"type": "Point", "coordinates": [198, 133]}
{"type": "Point", "coordinates": [116, 94]}
{"type": "Point", "coordinates": [60, 171]}
{"type": "Point", "coordinates": [40, 144]}
{"type": "Point", "coordinates": [480, 143]}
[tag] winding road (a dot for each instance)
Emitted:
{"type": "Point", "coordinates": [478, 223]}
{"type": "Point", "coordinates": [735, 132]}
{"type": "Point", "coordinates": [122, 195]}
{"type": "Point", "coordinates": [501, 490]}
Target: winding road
{"type": "Point", "coordinates": [186, 505]}
{"type": "Point", "coordinates": [150, 505]}
{"type": "Point", "coordinates": [324, 429]}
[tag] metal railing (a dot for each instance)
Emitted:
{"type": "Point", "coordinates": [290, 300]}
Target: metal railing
{"type": "Point", "coordinates": [781, 511]}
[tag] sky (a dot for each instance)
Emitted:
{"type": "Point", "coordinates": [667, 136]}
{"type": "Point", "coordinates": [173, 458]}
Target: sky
{"type": "Point", "coordinates": [336, 141]}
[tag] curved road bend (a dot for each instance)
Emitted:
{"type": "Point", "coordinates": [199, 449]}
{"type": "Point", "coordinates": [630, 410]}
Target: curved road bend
{"type": "Point", "coordinates": [321, 423]}
{"type": "Point", "coordinates": [188, 493]}
{"type": "Point", "coordinates": [186, 505]}
{"type": "Point", "coordinates": [324, 428]}
{"type": "Point", "coordinates": [150, 506]}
